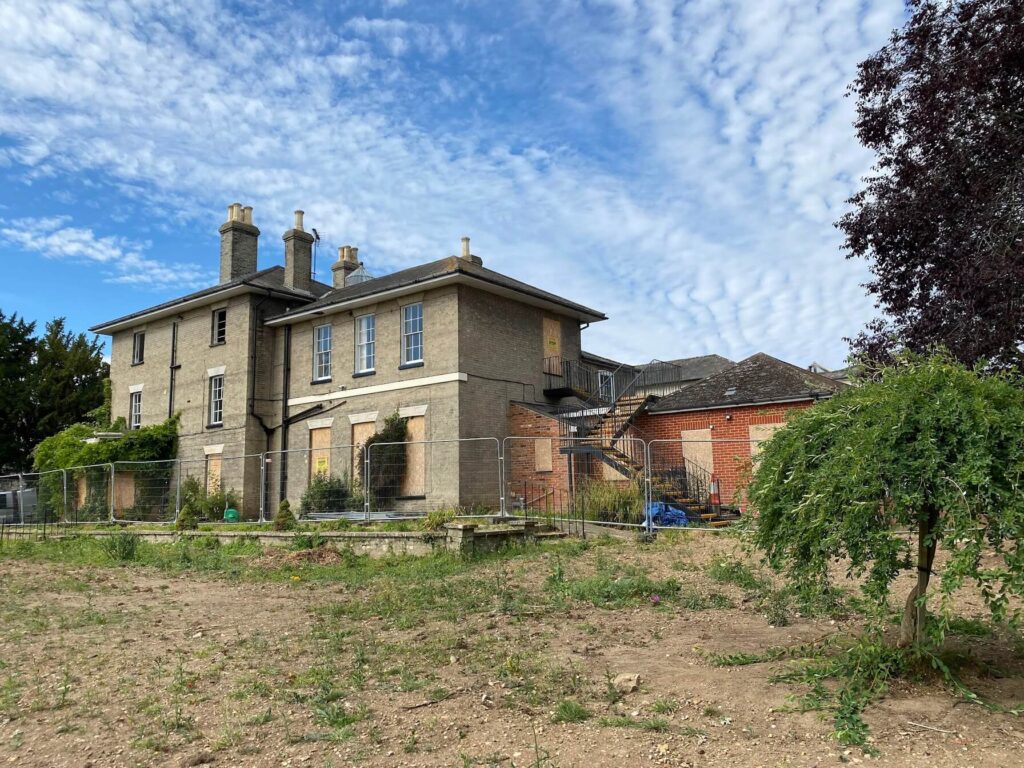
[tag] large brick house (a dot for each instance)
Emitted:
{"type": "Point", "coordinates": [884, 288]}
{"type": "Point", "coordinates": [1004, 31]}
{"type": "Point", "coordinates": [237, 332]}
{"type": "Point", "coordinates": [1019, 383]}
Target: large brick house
{"type": "Point", "coordinates": [270, 360]}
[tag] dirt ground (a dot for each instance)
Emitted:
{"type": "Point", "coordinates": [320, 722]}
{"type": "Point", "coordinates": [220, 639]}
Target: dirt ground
{"type": "Point", "coordinates": [135, 666]}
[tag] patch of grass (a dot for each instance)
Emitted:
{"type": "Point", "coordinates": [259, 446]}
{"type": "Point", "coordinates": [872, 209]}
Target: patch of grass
{"type": "Point", "coordinates": [970, 627]}
{"type": "Point", "coordinates": [657, 724]}
{"type": "Point", "coordinates": [122, 547]}
{"type": "Point", "coordinates": [728, 571]}
{"type": "Point", "coordinates": [569, 711]}
{"type": "Point", "coordinates": [614, 586]}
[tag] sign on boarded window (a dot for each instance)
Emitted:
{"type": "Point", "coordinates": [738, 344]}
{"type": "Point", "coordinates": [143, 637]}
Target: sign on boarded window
{"type": "Point", "coordinates": [320, 451]}
{"type": "Point", "coordinates": [360, 434]}
{"type": "Point", "coordinates": [415, 481]}
{"type": "Point", "coordinates": [542, 454]}
{"type": "Point", "coordinates": [213, 465]}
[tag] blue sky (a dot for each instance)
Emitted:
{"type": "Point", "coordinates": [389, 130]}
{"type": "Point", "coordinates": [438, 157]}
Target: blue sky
{"type": "Point", "coordinates": [677, 165]}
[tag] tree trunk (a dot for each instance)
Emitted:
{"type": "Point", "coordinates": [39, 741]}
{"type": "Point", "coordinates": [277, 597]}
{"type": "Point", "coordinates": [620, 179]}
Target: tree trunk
{"type": "Point", "coordinates": [914, 614]}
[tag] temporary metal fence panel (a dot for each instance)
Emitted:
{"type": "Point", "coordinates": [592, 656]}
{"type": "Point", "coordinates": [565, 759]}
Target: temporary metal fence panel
{"type": "Point", "coordinates": [145, 491]}
{"type": "Point", "coordinates": [704, 479]}
{"type": "Point", "coordinates": [321, 483]}
{"type": "Point", "coordinates": [416, 477]}
{"type": "Point", "coordinates": [32, 498]}
{"type": "Point", "coordinates": [89, 493]}
{"type": "Point", "coordinates": [213, 484]}
{"type": "Point", "coordinates": [571, 480]}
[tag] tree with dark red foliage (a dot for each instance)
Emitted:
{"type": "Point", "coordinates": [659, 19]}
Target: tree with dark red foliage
{"type": "Point", "coordinates": [941, 218]}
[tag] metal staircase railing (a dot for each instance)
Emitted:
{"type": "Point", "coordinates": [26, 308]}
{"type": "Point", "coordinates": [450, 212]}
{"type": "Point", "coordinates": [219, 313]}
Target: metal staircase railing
{"type": "Point", "coordinates": [608, 403]}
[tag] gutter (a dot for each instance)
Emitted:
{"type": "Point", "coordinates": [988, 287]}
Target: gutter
{"type": "Point", "coordinates": [812, 396]}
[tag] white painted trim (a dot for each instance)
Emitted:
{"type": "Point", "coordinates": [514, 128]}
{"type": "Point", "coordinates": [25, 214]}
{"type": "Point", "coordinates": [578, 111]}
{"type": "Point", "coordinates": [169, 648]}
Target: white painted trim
{"type": "Point", "coordinates": [220, 370]}
{"type": "Point", "coordinates": [412, 410]}
{"type": "Point", "coordinates": [211, 450]}
{"type": "Point", "coordinates": [344, 394]}
{"type": "Point", "coordinates": [133, 388]}
{"type": "Point", "coordinates": [320, 423]}
{"type": "Point", "coordinates": [369, 417]}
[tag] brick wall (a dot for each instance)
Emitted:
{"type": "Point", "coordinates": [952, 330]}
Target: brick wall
{"type": "Point", "coordinates": [521, 458]}
{"type": "Point", "coordinates": [730, 433]}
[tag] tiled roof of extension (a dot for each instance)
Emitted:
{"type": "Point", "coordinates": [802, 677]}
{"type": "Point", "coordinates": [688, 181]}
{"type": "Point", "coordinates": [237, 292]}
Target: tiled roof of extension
{"type": "Point", "coordinates": [433, 270]}
{"type": "Point", "coordinates": [760, 379]}
{"type": "Point", "coordinates": [271, 278]}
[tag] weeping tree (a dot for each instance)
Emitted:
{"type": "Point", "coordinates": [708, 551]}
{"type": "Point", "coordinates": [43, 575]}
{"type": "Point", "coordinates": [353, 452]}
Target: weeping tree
{"type": "Point", "coordinates": [929, 456]}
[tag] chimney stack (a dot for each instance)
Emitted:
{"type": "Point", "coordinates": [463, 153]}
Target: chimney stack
{"type": "Point", "coordinates": [298, 256]}
{"type": "Point", "coordinates": [238, 243]}
{"type": "Point", "coordinates": [469, 256]}
{"type": "Point", "coordinates": [346, 264]}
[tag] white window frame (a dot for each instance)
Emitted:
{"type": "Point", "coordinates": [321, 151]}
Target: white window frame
{"type": "Point", "coordinates": [410, 332]}
{"type": "Point", "coordinates": [214, 320]}
{"type": "Point", "coordinates": [215, 412]}
{"type": "Point", "coordinates": [322, 356]}
{"type": "Point", "coordinates": [138, 347]}
{"type": "Point", "coordinates": [135, 409]}
{"type": "Point", "coordinates": [366, 343]}
{"type": "Point", "coordinates": [606, 385]}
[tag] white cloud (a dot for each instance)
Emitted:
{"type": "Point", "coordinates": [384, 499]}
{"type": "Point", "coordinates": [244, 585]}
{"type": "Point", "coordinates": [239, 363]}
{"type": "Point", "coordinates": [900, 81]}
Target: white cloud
{"type": "Point", "coordinates": [122, 260]}
{"type": "Point", "coordinates": [703, 225]}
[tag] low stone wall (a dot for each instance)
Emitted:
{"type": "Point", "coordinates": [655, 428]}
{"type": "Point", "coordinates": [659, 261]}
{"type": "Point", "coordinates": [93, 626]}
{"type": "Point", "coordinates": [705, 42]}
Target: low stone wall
{"type": "Point", "coordinates": [463, 538]}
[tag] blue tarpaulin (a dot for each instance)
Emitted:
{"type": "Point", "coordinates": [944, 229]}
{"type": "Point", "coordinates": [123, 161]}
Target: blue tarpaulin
{"type": "Point", "coordinates": [660, 513]}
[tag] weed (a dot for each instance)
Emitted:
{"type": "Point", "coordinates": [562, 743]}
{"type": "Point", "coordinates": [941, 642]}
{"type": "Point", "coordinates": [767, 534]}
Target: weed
{"type": "Point", "coordinates": [121, 547]}
{"type": "Point", "coordinates": [437, 519]}
{"type": "Point", "coordinates": [568, 711]}
{"type": "Point", "coordinates": [664, 706]}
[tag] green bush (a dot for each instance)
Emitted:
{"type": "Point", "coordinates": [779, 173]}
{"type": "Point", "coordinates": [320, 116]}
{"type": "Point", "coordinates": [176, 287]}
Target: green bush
{"type": "Point", "coordinates": [187, 520]}
{"type": "Point", "coordinates": [325, 493]}
{"type": "Point", "coordinates": [208, 505]}
{"type": "Point", "coordinates": [284, 519]}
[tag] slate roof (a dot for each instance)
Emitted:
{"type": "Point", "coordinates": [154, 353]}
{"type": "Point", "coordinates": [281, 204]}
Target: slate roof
{"type": "Point", "coordinates": [272, 278]}
{"type": "Point", "coordinates": [694, 368]}
{"type": "Point", "coordinates": [452, 265]}
{"type": "Point", "coordinates": [759, 379]}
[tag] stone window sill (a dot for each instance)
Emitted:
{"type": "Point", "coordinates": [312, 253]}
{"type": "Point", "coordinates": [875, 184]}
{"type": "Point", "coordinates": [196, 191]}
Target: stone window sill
{"type": "Point", "coordinates": [416, 364]}
{"type": "Point", "coordinates": [361, 374]}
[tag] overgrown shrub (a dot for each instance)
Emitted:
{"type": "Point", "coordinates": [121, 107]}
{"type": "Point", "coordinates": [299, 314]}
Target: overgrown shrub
{"type": "Point", "coordinates": [613, 502]}
{"type": "Point", "coordinates": [187, 520]}
{"type": "Point", "coordinates": [284, 519]}
{"type": "Point", "coordinates": [387, 461]}
{"type": "Point", "coordinates": [325, 493]}
{"type": "Point", "coordinates": [208, 505]}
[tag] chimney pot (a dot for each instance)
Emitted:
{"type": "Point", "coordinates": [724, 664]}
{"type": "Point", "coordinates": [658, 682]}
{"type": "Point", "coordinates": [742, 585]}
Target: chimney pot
{"type": "Point", "coordinates": [465, 247]}
{"type": "Point", "coordinates": [344, 266]}
{"type": "Point", "coordinates": [355, 254]}
{"type": "Point", "coordinates": [238, 243]}
{"type": "Point", "coordinates": [298, 220]}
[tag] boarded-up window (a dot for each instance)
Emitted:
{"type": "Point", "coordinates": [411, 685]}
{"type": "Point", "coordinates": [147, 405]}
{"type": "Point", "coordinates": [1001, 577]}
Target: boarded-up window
{"type": "Point", "coordinates": [415, 481]}
{"type": "Point", "coordinates": [697, 448]}
{"type": "Point", "coordinates": [759, 433]}
{"type": "Point", "coordinates": [213, 466]}
{"type": "Point", "coordinates": [360, 434]}
{"type": "Point", "coordinates": [542, 454]}
{"type": "Point", "coordinates": [552, 345]}
{"type": "Point", "coordinates": [319, 451]}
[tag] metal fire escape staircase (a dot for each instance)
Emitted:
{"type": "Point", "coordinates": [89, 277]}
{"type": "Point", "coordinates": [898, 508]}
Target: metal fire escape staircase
{"type": "Point", "coordinates": [601, 423]}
